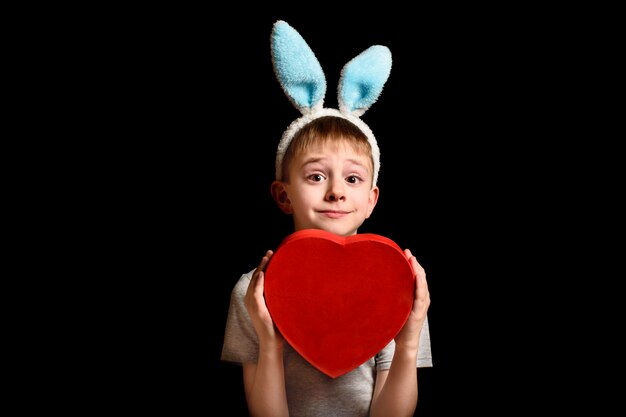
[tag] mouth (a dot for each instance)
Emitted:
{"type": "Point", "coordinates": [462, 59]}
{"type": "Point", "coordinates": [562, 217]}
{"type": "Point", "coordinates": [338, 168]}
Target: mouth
{"type": "Point", "coordinates": [334, 214]}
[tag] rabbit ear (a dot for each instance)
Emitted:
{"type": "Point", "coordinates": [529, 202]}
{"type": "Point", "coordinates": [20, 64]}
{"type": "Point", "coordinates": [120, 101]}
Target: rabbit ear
{"type": "Point", "coordinates": [297, 69]}
{"type": "Point", "coordinates": [362, 80]}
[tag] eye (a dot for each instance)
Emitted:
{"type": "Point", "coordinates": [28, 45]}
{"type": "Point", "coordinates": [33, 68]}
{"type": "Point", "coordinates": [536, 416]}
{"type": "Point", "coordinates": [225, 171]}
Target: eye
{"type": "Point", "coordinates": [353, 179]}
{"type": "Point", "coordinates": [316, 177]}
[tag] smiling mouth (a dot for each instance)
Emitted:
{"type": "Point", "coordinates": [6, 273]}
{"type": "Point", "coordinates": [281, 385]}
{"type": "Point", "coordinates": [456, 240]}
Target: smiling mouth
{"type": "Point", "coordinates": [334, 214]}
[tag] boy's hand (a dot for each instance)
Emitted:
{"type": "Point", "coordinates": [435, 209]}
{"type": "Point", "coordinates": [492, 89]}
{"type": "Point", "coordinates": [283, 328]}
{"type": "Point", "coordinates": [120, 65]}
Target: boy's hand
{"type": "Point", "coordinates": [408, 336]}
{"type": "Point", "coordinates": [255, 304]}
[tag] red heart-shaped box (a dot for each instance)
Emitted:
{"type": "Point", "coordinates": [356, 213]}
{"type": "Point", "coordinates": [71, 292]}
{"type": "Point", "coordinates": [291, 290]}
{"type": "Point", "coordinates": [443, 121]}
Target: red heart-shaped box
{"type": "Point", "coordinates": [338, 300]}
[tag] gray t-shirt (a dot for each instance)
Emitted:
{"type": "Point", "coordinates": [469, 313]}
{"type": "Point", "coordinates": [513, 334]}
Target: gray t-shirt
{"type": "Point", "coordinates": [311, 393]}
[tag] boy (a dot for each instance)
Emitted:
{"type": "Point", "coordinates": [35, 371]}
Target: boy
{"type": "Point", "coordinates": [326, 171]}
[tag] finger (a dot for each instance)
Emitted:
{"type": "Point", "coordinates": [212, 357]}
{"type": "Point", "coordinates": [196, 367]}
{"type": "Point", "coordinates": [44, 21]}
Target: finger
{"type": "Point", "coordinates": [261, 266]}
{"type": "Point", "coordinates": [259, 275]}
{"type": "Point", "coordinates": [417, 268]}
{"type": "Point", "coordinates": [265, 260]}
{"type": "Point", "coordinates": [260, 281]}
{"type": "Point", "coordinates": [421, 286]}
{"type": "Point", "coordinates": [421, 290]}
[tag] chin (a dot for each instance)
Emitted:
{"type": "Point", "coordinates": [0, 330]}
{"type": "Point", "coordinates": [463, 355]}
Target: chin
{"type": "Point", "coordinates": [335, 227]}
{"type": "Point", "coordinates": [340, 231]}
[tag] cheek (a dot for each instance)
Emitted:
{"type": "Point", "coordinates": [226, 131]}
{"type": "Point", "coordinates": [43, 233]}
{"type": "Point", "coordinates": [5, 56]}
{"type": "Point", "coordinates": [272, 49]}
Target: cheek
{"type": "Point", "coordinates": [368, 203]}
{"type": "Point", "coordinates": [364, 202]}
{"type": "Point", "coordinates": [306, 194]}
{"type": "Point", "coordinates": [299, 200]}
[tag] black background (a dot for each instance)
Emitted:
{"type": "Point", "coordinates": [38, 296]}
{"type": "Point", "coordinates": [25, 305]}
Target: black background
{"type": "Point", "coordinates": [192, 118]}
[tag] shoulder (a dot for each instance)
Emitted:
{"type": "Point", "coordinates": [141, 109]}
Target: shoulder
{"type": "Point", "coordinates": [241, 286]}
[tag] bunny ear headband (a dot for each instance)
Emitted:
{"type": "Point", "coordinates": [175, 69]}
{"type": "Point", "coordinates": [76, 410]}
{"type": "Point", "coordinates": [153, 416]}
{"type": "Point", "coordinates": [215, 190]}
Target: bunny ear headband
{"type": "Point", "coordinates": [302, 79]}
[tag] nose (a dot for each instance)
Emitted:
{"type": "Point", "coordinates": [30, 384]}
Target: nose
{"type": "Point", "coordinates": [336, 191]}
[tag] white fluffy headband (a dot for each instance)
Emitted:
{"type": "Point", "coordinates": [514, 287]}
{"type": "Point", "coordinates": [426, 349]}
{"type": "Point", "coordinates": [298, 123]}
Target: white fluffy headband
{"type": "Point", "coordinates": [302, 79]}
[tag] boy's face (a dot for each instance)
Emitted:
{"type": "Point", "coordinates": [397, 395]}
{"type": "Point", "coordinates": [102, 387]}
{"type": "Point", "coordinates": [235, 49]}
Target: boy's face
{"type": "Point", "coordinates": [329, 188]}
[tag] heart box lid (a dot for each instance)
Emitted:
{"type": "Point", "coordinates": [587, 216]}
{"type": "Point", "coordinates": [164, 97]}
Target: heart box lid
{"type": "Point", "coordinates": [338, 300]}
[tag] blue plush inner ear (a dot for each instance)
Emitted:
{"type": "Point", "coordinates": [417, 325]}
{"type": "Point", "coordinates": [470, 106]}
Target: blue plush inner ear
{"type": "Point", "coordinates": [363, 78]}
{"type": "Point", "coordinates": [296, 67]}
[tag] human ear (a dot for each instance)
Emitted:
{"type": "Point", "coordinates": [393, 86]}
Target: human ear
{"type": "Point", "coordinates": [279, 192]}
{"type": "Point", "coordinates": [372, 200]}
